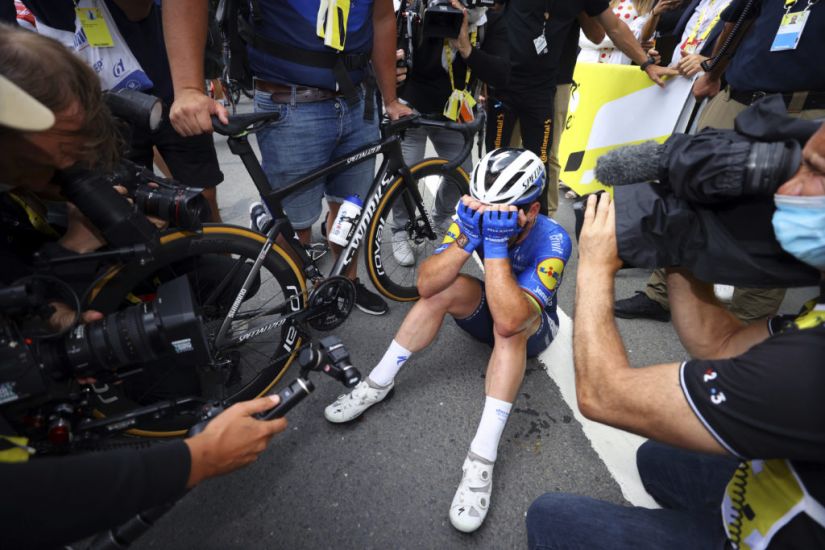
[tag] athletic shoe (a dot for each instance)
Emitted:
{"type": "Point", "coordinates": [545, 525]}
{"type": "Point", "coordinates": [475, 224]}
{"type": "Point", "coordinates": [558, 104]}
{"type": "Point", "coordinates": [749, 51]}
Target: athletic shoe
{"type": "Point", "coordinates": [472, 498]}
{"type": "Point", "coordinates": [402, 251]}
{"type": "Point", "coordinates": [369, 302]}
{"type": "Point", "coordinates": [350, 406]}
{"type": "Point", "coordinates": [640, 307]}
{"type": "Point", "coordinates": [259, 218]}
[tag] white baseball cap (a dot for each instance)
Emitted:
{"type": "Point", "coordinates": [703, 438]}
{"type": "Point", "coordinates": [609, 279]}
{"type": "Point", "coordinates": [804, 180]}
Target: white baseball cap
{"type": "Point", "coordinates": [21, 111]}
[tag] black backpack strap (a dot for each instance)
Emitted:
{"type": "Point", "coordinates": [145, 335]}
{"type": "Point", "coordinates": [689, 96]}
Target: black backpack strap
{"type": "Point", "coordinates": [339, 63]}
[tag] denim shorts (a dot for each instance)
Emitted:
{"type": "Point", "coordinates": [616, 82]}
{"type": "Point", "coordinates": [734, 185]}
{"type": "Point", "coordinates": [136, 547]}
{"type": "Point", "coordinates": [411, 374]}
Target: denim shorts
{"type": "Point", "coordinates": [479, 325]}
{"type": "Point", "coordinates": [307, 137]}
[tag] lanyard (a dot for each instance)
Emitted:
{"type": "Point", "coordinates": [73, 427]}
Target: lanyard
{"type": "Point", "coordinates": [789, 4]}
{"type": "Point", "coordinates": [449, 52]}
{"type": "Point", "coordinates": [692, 39]}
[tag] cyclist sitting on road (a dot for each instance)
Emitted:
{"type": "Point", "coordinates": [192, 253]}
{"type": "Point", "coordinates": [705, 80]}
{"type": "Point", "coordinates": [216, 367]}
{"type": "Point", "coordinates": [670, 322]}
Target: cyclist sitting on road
{"type": "Point", "coordinates": [513, 310]}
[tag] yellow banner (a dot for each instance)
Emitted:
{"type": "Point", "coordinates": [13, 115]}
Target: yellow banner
{"type": "Point", "coordinates": [612, 106]}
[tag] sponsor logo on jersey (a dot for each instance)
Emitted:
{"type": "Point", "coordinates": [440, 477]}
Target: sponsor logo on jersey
{"type": "Point", "coordinates": [549, 272]}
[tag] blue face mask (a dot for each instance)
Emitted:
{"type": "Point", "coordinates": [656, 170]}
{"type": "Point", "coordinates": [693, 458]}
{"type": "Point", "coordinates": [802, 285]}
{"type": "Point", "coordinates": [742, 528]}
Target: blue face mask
{"type": "Point", "coordinates": [799, 225]}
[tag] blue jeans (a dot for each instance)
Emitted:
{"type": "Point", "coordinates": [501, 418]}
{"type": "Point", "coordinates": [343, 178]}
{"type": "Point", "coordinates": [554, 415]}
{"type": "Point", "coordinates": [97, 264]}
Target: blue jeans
{"type": "Point", "coordinates": [308, 136]}
{"type": "Point", "coordinates": [688, 485]}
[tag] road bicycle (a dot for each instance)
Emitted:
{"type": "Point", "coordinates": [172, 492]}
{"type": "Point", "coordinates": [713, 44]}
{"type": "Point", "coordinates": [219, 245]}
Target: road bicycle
{"type": "Point", "coordinates": [258, 293]}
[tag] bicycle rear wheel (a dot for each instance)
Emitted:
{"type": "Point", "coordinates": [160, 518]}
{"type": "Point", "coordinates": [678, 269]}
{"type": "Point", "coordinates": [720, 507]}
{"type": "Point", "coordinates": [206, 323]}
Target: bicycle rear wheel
{"type": "Point", "coordinates": [392, 269]}
{"type": "Point", "coordinates": [216, 261]}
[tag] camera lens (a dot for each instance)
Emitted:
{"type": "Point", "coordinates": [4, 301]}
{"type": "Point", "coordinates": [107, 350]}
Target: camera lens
{"type": "Point", "coordinates": [182, 207]}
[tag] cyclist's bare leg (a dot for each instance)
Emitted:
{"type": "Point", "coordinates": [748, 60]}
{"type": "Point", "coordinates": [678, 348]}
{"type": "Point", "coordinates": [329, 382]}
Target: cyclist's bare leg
{"type": "Point", "coordinates": [505, 370]}
{"type": "Point", "coordinates": [422, 323]}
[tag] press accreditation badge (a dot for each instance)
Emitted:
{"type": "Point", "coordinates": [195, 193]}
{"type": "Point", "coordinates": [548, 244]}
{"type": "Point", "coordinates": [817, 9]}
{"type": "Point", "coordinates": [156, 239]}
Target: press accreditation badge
{"type": "Point", "coordinates": [790, 31]}
{"type": "Point", "coordinates": [94, 25]}
{"type": "Point", "coordinates": [540, 42]}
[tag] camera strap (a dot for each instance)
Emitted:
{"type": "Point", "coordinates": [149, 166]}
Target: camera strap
{"type": "Point", "coordinates": [461, 102]}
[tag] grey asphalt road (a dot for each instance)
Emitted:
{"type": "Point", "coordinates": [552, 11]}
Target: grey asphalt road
{"type": "Point", "coordinates": [387, 480]}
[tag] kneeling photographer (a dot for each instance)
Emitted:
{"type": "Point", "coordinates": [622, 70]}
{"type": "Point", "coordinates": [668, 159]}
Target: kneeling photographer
{"type": "Point", "coordinates": [739, 427]}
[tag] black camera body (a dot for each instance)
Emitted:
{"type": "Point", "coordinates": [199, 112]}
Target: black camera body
{"type": "Point", "coordinates": [711, 204]}
{"type": "Point", "coordinates": [442, 20]}
{"type": "Point", "coordinates": [167, 328]}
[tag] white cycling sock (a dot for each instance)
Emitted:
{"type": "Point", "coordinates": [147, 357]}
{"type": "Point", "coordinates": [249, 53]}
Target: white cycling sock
{"type": "Point", "coordinates": [493, 420]}
{"type": "Point", "coordinates": [384, 372]}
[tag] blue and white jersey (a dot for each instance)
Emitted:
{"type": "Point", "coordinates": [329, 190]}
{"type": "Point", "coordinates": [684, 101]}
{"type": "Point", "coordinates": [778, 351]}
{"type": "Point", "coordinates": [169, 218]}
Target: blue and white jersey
{"type": "Point", "coordinates": [537, 262]}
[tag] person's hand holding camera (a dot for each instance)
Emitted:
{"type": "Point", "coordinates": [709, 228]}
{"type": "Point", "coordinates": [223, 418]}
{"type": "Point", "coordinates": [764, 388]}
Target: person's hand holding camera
{"type": "Point", "coordinates": [469, 222]}
{"type": "Point", "coordinates": [598, 250]}
{"type": "Point", "coordinates": [462, 44]}
{"type": "Point", "coordinates": [233, 439]}
{"type": "Point", "coordinates": [501, 223]}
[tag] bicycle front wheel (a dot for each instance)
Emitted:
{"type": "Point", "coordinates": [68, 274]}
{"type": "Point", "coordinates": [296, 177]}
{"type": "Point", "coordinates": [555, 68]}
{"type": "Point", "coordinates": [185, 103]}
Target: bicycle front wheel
{"type": "Point", "coordinates": [397, 240]}
{"type": "Point", "coordinates": [216, 261]}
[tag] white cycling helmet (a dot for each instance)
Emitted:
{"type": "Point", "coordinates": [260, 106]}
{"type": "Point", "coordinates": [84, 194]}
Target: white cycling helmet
{"type": "Point", "coordinates": [508, 176]}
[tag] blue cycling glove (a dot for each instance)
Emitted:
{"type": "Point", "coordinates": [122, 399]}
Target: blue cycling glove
{"type": "Point", "coordinates": [499, 228]}
{"type": "Point", "coordinates": [468, 222]}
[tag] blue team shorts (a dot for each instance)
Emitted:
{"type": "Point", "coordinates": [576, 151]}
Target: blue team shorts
{"type": "Point", "coordinates": [479, 325]}
{"type": "Point", "coordinates": [308, 136]}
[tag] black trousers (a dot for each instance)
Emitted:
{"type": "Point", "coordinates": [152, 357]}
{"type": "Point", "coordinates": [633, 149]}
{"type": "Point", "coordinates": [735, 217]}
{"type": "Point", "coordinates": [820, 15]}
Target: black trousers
{"type": "Point", "coordinates": [535, 118]}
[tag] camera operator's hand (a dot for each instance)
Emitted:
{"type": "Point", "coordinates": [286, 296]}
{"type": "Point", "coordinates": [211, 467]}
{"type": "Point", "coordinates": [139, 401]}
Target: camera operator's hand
{"type": "Point", "coordinates": [233, 439]}
{"type": "Point", "coordinates": [400, 72]}
{"type": "Point", "coordinates": [157, 222]}
{"type": "Point", "coordinates": [598, 250]}
{"type": "Point", "coordinates": [191, 111]}
{"type": "Point", "coordinates": [691, 64]}
{"type": "Point", "coordinates": [705, 86]}
{"type": "Point", "coordinates": [462, 44]}
{"type": "Point", "coordinates": [81, 235]}
{"type": "Point", "coordinates": [65, 316]}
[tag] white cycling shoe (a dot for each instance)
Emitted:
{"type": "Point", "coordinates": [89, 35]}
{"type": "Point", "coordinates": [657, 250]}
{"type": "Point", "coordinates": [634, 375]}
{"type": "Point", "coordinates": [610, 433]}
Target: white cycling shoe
{"type": "Point", "coordinates": [350, 406]}
{"type": "Point", "coordinates": [472, 498]}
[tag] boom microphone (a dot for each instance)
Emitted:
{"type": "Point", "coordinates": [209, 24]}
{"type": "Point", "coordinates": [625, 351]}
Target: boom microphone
{"type": "Point", "coordinates": [630, 164]}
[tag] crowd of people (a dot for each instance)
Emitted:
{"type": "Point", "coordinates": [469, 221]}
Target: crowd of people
{"type": "Point", "coordinates": [735, 447]}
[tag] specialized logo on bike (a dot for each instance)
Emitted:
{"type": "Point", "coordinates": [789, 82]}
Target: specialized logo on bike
{"type": "Point", "coordinates": [364, 154]}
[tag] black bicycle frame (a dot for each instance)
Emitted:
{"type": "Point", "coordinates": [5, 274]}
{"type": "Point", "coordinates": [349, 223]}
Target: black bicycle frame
{"type": "Point", "coordinates": [393, 163]}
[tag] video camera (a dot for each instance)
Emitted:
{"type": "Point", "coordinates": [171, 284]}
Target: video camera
{"type": "Point", "coordinates": [710, 206]}
{"type": "Point", "coordinates": [31, 357]}
{"type": "Point", "coordinates": [442, 20]}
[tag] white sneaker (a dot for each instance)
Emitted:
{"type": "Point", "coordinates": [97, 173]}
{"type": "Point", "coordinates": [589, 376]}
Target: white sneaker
{"type": "Point", "coordinates": [402, 251]}
{"type": "Point", "coordinates": [350, 405]}
{"type": "Point", "coordinates": [472, 498]}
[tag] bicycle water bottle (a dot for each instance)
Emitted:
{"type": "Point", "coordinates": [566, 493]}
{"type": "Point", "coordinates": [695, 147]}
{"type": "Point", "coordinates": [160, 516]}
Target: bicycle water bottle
{"type": "Point", "coordinates": [347, 214]}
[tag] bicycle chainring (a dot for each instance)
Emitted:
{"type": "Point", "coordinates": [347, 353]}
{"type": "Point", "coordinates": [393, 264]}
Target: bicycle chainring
{"type": "Point", "coordinates": [331, 303]}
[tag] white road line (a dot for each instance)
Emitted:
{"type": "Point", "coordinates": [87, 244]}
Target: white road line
{"type": "Point", "coordinates": [616, 448]}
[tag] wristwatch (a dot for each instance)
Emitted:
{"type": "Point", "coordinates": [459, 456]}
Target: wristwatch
{"type": "Point", "coordinates": [462, 240]}
{"type": "Point", "coordinates": [650, 61]}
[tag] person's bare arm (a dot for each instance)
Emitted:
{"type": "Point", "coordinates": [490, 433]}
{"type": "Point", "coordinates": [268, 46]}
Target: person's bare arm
{"type": "Point", "coordinates": [184, 31]}
{"type": "Point", "coordinates": [440, 270]}
{"type": "Point", "coordinates": [624, 40]}
{"type": "Point", "coordinates": [383, 57]}
{"type": "Point", "coordinates": [647, 401]}
{"type": "Point", "coordinates": [135, 10]}
{"type": "Point", "coordinates": [705, 327]}
{"type": "Point", "coordinates": [591, 28]}
{"type": "Point", "coordinates": [512, 310]}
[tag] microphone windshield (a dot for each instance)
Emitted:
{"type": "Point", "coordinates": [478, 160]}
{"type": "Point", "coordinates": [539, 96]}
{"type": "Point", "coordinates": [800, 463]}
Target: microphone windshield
{"type": "Point", "coordinates": [630, 164]}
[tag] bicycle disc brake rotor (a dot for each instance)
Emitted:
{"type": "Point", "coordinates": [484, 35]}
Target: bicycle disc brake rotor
{"type": "Point", "coordinates": [331, 303]}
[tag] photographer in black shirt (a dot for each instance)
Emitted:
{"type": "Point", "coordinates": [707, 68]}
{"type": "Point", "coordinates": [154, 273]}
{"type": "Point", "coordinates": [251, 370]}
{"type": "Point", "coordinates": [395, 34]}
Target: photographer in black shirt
{"type": "Point", "coordinates": [747, 408]}
{"type": "Point", "coordinates": [59, 121]}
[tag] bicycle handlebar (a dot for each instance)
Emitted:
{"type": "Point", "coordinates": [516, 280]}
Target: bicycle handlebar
{"type": "Point", "coordinates": [467, 129]}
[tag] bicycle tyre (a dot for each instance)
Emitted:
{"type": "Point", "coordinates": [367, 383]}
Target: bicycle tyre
{"type": "Point", "coordinates": [391, 279]}
{"type": "Point", "coordinates": [221, 241]}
